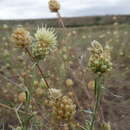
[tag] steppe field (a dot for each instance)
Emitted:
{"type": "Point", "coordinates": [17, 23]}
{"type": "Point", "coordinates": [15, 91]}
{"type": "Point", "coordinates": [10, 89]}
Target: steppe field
{"type": "Point", "coordinates": [24, 102]}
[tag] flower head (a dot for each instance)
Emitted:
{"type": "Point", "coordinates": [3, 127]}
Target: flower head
{"type": "Point", "coordinates": [54, 5]}
{"type": "Point", "coordinates": [45, 42]}
{"type": "Point", "coordinates": [21, 37]}
{"type": "Point", "coordinates": [63, 109]}
{"type": "Point", "coordinates": [100, 59]}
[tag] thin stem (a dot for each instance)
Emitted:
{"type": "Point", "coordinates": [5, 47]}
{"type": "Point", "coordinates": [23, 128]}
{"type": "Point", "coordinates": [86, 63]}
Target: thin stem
{"type": "Point", "coordinates": [101, 112]}
{"type": "Point", "coordinates": [98, 94]}
{"type": "Point", "coordinates": [10, 108]}
{"type": "Point", "coordinates": [61, 20]}
{"type": "Point", "coordinates": [37, 65]}
{"type": "Point", "coordinates": [18, 117]}
{"type": "Point", "coordinates": [63, 26]}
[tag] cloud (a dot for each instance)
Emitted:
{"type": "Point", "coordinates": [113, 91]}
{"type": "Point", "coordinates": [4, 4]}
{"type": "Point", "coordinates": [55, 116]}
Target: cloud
{"type": "Point", "coordinates": [25, 9]}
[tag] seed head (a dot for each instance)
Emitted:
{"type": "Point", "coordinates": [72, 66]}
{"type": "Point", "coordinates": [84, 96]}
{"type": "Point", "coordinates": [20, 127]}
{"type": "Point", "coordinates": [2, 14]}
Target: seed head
{"type": "Point", "coordinates": [54, 5]}
{"type": "Point", "coordinates": [21, 37]}
{"type": "Point", "coordinates": [63, 109]}
{"type": "Point", "coordinates": [45, 42]}
{"type": "Point", "coordinates": [100, 59]}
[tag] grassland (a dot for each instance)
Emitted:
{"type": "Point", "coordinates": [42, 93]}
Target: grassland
{"type": "Point", "coordinates": [72, 22]}
{"type": "Point", "coordinates": [71, 64]}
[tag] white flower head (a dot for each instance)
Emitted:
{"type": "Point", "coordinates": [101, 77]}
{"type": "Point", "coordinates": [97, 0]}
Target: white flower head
{"type": "Point", "coordinates": [47, 35]}
{"type": "Point", "coordinates": [46, 42]}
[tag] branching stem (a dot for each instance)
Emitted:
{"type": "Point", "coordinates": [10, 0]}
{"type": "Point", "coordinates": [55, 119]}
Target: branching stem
{"type": "Point", "coordinates": [37, 65]}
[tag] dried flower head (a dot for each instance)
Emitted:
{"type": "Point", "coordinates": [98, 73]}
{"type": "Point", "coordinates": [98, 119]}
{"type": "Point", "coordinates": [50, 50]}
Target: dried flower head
{"type": "Point", "coordinates": [45, 42]}
{"type": "Point", "coordinates": [100, 59]}
{"type": "Point", "coordinates": [54, 5]}
{"type": "Point", "coordinates": [55, 93]}
{"type": "Point", "coordinates": [63, 109]}
{"type": "Point", "coordinates": [21, 37]}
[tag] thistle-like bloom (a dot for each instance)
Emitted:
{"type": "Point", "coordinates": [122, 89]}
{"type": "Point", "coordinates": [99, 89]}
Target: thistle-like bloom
{"type": "Point", "coordinates": [54, 5]}
{"type": "Point", "coordinates": [21, 37]}
{"type": "Point", "coordinates": [100, 59]}
{"type": "Point", "coordinates": [55, 93]}
{"type": "Point", "coordinates": [45, 42]}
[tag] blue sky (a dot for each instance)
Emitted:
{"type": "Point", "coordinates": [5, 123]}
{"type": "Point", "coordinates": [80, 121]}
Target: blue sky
{"type": "Point", "coordinates": [25, 9]}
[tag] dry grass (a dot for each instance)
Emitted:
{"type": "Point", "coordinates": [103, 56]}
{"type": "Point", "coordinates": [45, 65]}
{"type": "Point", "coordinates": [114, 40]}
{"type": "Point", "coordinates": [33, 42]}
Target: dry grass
{"type": "Point", "coordinates": [69, 62]}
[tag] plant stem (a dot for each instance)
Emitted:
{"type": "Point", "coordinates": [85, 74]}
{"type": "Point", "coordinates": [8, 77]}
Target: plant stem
{"type": "Point", "coordinates": [18, 117]}
{"type": "Point", "coordinates": [61, 20]}
{"type": "Point", "coordinates": [37, 65]}
{"type": "Point", "coordinates": [97, 94]}
{"type": "Point", "coordinates": [10, 108]}
{"type": "Point", "coordinates": [62, 25]}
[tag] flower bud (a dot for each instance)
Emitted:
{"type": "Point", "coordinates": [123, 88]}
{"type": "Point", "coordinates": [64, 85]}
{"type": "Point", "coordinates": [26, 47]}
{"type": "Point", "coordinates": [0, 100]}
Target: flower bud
{"type": "Point", "coordinates": [63, 109]}
{"type": "Point", "coordinates": [22, 97]}
{"type": "Point", "coordinates": [69, 82]}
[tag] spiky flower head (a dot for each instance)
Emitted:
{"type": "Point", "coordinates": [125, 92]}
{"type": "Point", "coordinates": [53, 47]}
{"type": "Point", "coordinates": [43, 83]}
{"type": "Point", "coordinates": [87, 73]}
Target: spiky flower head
{"type": "Point", "coordinates": [45, 42]}
{"type": "Point", "coordinates": [55, 93]}
{"type": "Point", "coordinates": [54, 5]}
{"type": "Point", "coordinates": [21, 37]}
{"type": "Point", "coordinates": [100, 59]}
